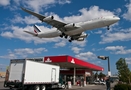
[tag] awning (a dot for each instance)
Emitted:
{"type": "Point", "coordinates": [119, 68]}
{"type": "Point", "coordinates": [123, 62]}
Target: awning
{"type": "Point", "coordinates": [66, 61]}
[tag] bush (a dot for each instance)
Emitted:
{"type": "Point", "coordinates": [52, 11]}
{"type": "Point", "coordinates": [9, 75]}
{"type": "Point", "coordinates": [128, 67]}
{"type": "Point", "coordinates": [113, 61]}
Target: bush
{"type": "Point", "coordinates": [122, 87]}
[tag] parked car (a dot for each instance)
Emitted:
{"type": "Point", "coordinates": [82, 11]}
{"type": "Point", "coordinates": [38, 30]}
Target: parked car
{"type": "Point", "coordinates": [99, 82]}
{"type": "Point", "coordinates": [102, 82]}
{"type": "Point", "coordinates": [2, 76]}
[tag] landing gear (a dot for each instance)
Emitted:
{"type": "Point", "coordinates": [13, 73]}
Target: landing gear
{"type": "Point", "coordinates": [61, 36]}
{"type": "Point", "coordinates": [66, 36]}
{"type": "Point", "coordinates": [70, 40]}
{"type": "Point", "coordinates": [108, 28]}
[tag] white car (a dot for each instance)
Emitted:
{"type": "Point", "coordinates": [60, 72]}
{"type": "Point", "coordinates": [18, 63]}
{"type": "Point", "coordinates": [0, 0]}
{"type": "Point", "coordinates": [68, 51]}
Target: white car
{"type": "Point", "coordinates": [99, 82]}
{"type": "Point", "coordinates": [102, 82]}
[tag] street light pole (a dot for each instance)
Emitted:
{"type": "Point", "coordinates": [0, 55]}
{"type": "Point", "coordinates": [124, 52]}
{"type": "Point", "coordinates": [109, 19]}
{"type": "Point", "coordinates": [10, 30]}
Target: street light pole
{"type": "Point", "coordinates": [106, 58]}
{"type": "Point", "coordinates": [109, 72]}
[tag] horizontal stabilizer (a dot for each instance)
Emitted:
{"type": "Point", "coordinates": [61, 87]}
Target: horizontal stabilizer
{"type": "Point", "coordinates": [34, 34]}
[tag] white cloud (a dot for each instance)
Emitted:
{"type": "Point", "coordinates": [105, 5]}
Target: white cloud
{"type": "Point", "coordinates": [4, 2]}
{"type": "Point", "coordinates": [62, 43]}
{"type": "Point", "coordinates": [118, 11]}
{"type": "Point", "coordinates": [128, 59]}
{"type": "Point", "coordinates": [29, 51]}
{"type": "Point", "coordinates": [23, 53]}
{"type": "Point", "coordinates": [87, 14]}
{"type": "Point", "coordinates": [37, 5]}
{"type": "Point", "coordinates": [128, 51]}
{"type": "Point", "coordinates": [27, 20]}
{"type": "Point", "coordinates": [86, 56]}
{"type": "Point", "coordinates": [76, 49]}
{"type": "Point", "coordinates": [127, 15]}
{"type": "Point", "coordinates": [64, 1]}
{"type": "Point", "coordinates": [80, 43]}
{"type": "Point", "coordinates": [17, 32]}
{"type": "Point", "coordinates": [98, 32]}
{"type": "Point", "coordinates": [121, 35]}
{"type": "Point", "coordinates": [114, 48]}
{"type": "Point", "coordinates": [118, 49]}
{"type": "Point", "coordinates": [9, 56]}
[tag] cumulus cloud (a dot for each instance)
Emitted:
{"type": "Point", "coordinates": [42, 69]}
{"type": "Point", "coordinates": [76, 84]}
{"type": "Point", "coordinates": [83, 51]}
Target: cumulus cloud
{"type": "Point", "coordinates": [128, 60]}
{"type": "Point", "coordinates": [86, 56]}
{"type": "Point", "coordinates": [4, 2]}
{"type": "Point", "coordinates": [17, 32]}
{"type": "Point", "coordinates": [79, 43]}
{"type": "Point", "coordinates": [23, 52]}
{"type": "Point", "coordinates": [38, 5]}
{"type": "Point", "coordinates": [76, 49]}
{"type": "Point", "coordinates": [122, 35]}
{"type": "Point", "coordinates": [127, 15]}
{"type": "Point", "coordinates": [117, 11]}
{"type": "Point", "coordinates": [26, 20]}
{"type": "Point", "coordinates": [87, 14]}
{"type": "Point", "coordinates": [62, 43]}
{"type": "Point", "coordinates": [118, 49]}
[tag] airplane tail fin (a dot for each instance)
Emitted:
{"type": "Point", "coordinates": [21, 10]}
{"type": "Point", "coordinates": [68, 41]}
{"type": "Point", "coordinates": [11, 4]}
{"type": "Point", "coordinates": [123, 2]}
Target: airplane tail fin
{"type": "Point", "coordinates": [37, 29]}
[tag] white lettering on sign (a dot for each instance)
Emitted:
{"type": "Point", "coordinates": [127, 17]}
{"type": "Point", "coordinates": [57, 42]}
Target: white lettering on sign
{"type": "Point", "coordinates": [72, 61]}
{"type": "Point", "coordinates": [48, 60]}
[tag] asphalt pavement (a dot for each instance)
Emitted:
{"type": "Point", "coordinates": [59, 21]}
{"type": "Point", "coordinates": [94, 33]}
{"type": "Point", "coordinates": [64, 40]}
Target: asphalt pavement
{"type": "Point", "coordinates": [87, 87]}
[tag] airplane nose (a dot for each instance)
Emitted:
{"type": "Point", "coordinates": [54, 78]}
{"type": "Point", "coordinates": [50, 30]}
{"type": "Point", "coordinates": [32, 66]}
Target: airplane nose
{"type": "Point", "coordinates": [117, 18]}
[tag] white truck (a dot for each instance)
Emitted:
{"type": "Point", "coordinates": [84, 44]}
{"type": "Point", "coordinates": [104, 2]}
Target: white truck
{"type": "Point", "coordinates": [32, 75]}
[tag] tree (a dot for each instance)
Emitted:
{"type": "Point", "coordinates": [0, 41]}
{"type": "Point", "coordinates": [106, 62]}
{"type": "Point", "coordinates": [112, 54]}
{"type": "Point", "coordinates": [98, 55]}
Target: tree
{"type": "Point", "coordinates": [96, 75]}
{"type": "Point", "coordinates": [123, 70]}
{"type": "Point", "coordinates": [101, 75]}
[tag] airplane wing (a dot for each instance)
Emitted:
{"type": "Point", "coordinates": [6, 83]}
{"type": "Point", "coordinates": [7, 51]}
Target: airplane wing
{"type": "Point", "coordinates": [54, 23]}
{"type": "Point", "coordinates": [49, 20]}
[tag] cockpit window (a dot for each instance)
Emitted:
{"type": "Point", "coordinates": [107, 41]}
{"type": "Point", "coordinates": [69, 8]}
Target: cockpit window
{"type": "Point", "coordinates": [114, 16]}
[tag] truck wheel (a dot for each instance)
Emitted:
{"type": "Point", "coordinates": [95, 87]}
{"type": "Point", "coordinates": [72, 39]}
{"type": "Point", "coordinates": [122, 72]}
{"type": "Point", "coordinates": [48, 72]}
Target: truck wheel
{"type": "Point", "coordinates": [36, 87]}
{"type": "Point", "coordinates": [63, 86]}
{"type": "Point", "coordinates": [43, 87]}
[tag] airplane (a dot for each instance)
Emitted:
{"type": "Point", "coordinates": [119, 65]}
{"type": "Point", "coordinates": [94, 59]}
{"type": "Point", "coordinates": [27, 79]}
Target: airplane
{"type": "Point", "coordinates": [75, 31]}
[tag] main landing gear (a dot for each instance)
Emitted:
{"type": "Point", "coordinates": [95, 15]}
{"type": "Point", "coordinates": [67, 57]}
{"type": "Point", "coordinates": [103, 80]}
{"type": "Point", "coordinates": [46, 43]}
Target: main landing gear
{"type": "Point", "coordinates": [71, 40]}
{"type": "Point", "coordinates": [64, 35]}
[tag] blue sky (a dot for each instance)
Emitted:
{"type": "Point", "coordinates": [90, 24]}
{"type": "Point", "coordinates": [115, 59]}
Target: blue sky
{"type": "Point", "coordinates": [115, 43]}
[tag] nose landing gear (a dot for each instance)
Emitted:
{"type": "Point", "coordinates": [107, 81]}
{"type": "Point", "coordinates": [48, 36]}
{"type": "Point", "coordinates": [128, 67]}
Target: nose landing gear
{"type": "Point", "coordinates": [108, 28]}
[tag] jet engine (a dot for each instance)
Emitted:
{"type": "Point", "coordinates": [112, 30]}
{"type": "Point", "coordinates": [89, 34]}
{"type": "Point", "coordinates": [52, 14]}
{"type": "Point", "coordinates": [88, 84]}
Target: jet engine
{"type": "Point", "coordinates": [48, 18]}
{"type": "Point", "coordinates": [83, 35]}
{"type": "Point", "coordinates": [80, 39]}
{"type": "Point", "coordinates": [69, 25]}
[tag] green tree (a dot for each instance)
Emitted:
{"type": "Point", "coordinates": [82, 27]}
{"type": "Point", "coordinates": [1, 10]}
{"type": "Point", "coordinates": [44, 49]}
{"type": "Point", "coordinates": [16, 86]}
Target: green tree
{"type": "Point", "coordinates": [101, 75]}
{"type": "Point", "coordinates": [123, 70]}
{"type": "Point", "coordinates": [96, 75]}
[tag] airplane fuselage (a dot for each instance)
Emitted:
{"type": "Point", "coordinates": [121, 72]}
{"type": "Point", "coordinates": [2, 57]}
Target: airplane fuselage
{"type": "Point", "coordinates": [83, 26]}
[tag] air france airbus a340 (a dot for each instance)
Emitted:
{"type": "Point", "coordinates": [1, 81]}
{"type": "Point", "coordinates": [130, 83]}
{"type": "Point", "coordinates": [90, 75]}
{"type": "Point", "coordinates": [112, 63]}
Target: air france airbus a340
{"type": "Point", "coordinates": [75, 31]}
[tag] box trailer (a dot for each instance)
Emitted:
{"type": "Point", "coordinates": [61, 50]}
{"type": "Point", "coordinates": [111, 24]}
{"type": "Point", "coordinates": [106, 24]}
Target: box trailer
{"type": "Point", "coordinates": [32, 75]}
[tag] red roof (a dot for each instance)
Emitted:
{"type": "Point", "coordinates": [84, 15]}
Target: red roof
{"type": "Point", "coordinates": [71, 62]}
